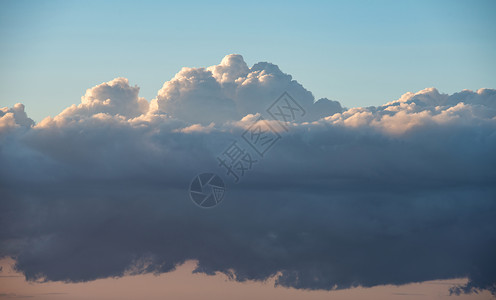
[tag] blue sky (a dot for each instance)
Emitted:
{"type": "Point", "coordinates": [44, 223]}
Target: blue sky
{"type": "Point", "coordinates": [357, 52]}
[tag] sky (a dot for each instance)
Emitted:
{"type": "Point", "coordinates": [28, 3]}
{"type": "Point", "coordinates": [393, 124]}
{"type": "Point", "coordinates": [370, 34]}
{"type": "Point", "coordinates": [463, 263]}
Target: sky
{"type": "Point", "coordinates": [178, 285]}
{"type": "Point", "coordinates": [357, 52]}
{"type": "Point", "coordinates": [321, 150]}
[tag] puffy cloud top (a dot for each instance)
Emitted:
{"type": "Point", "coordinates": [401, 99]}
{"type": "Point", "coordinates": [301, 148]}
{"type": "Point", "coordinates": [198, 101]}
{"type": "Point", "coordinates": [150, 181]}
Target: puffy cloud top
{"type": "Point", "coordinates": [115, 98]}
{"type": "Point", "coordinates": [230, 69]}
{"type": "Point", "coordinates": [230, 91]}
{"type": "Point", "coordinates": [14, 117]}
{"type": "Point", "coordinates": [419, 109]}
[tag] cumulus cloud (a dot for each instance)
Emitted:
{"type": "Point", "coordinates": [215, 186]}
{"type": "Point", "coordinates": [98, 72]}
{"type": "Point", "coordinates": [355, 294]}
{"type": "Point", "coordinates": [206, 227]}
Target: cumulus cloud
{"type": "Point", "coordinates": [115, 97]}
{"type": "Point", "coordinates": [399, 193]}
{"type": "Point", "coordinates": [415, 110]}
{"type": "Point", "coordinates": [230, 91]}
{"type": "Point", "coordinates": [14, 117]}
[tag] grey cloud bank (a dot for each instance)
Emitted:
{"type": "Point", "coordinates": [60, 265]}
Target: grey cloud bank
{"type": "Point", "coordinates": [398, 193]}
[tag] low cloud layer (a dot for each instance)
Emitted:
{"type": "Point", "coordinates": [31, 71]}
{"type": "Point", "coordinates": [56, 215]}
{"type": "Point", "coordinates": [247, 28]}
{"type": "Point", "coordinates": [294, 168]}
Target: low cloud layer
{"type": "Point", "coordinates": [399, 193]}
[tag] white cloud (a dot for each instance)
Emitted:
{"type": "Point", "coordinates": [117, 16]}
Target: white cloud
{"type": "Point", "coordinates": [197, 128]}
{"type": "Point", "coordinates": [14, 117]}
{"type": "Point", "coordinates": [425, 108]}
{"type": "Point", "coordinates": [230, 91]}
{"type": "Point", "coordinates": [114, 98]}
{"type": "Point", "coordinates": [231, 69]}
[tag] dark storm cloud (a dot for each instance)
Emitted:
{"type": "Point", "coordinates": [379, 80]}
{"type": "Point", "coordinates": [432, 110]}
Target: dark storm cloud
{"type": "Point", "coordinates": [400, 193]}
